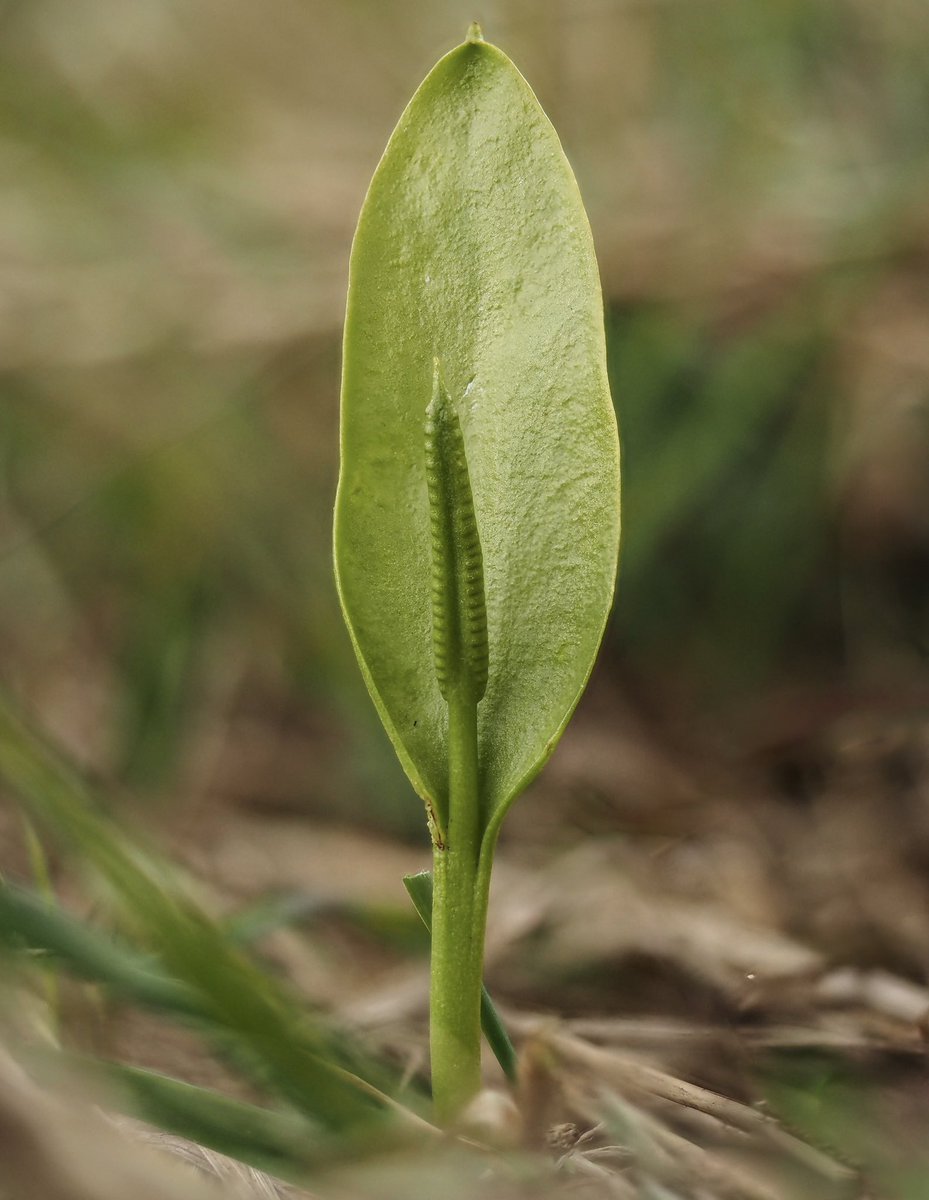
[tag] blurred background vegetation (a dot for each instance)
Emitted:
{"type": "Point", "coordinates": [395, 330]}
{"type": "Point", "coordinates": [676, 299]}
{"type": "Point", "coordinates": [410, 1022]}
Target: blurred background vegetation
{"type": "Point", "coordinates": [180, 184]}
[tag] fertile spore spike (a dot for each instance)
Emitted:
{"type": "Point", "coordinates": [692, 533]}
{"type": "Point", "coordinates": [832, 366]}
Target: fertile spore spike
{"type": "Point", "coordinates": [459, 611]}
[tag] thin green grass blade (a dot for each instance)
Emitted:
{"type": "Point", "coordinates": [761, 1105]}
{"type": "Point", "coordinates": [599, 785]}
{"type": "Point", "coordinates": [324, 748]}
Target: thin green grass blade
{"type": "Point", "coordinates": [282, 1143]}
{"type": "Point", "coordinates": [419, 888]}
{"type": "Point", "coordinates": [28, 921]}
{"type": "Point", "coordinates": [268, 913]}
{"type": "Point", "coordinates": [38, 862]}
{"type": "Point", "coordinates": [321, 1074]}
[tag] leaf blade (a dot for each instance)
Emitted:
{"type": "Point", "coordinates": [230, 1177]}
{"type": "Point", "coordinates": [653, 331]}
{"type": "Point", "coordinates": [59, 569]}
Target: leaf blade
{"type": "Point", "coordinates": [473, 248]}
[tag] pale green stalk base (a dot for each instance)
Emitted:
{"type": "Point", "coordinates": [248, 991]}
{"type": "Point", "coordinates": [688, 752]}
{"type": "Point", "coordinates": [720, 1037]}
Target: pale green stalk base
{"type": "Point", "coordinates": [459, 913]}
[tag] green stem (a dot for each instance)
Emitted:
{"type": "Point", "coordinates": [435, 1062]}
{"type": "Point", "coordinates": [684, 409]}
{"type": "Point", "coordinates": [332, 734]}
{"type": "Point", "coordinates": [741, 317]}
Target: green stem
{"type": "Point", "coordinates": [459, 638]}
{"type": "Point", "coordinates": [419, 888]}
{"type": "Point", "coordinates": [459, 914]}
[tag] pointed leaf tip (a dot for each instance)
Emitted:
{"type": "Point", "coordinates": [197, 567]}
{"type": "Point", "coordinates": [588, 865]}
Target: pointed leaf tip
{"type": "Point", "coordinates": [474, 33]}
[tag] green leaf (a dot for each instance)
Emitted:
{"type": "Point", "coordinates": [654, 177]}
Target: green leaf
{"type": "Point", "coordinates": [473, 249]}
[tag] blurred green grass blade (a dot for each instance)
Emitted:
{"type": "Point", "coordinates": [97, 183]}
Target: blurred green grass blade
{"type": "Point", "coordinates": [279, 1142]}
{"type": "Point", "coordinates": [158, 663]}
{"type": "Point", "coordinates": [728, 416]}
{"type": "Point", "coordinates": [273, 1037]}
{"type": "Point", "coordinates": [27, 920]}
{"type": "Point", "coordinates": [268, 913]}
{"type": "Point", "coordinates": [419, 888]}
{"type": "Point", "coordinates": [382, 923]}
{"type": "Point", "coordinates": [38, 863]}
{"type": "Point", "coordinates": [726, 432]}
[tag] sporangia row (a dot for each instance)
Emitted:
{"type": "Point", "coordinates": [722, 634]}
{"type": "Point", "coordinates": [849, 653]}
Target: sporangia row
{"type": "Point", "coordinates": [459, 612]}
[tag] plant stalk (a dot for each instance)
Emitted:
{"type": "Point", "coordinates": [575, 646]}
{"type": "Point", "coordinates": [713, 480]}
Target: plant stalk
{"type": "Point", "coordinates": [459, 913]}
